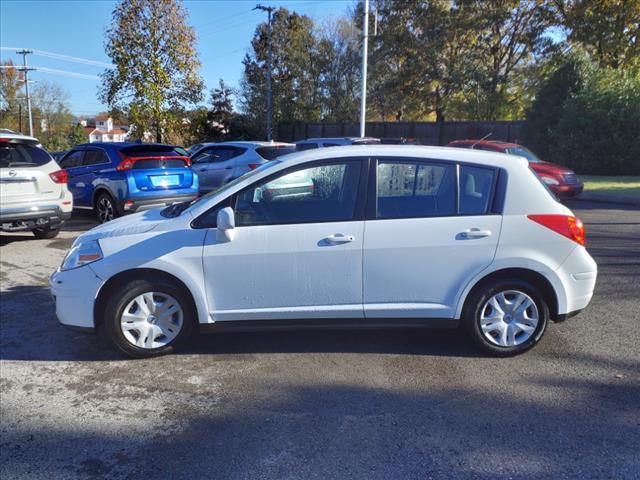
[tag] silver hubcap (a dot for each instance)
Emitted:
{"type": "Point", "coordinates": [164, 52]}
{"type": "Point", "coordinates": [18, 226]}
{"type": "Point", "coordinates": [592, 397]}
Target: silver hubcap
{"type": "Point", "coordinates": [105, 209]}
{"type": "Point", "coordinates": [509, 318]}
{"type": "Point", "coordinates": [151, 320]}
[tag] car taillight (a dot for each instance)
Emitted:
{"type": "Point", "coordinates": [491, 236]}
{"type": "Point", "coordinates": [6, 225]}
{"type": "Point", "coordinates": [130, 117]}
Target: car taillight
{"type": "Point", "coordinates": [59, 176]}
{"type": "Point", "coordinates": [570, 227]}
{"type": "Point", "coordinates": [126, 164]}
{"type": "Point", "coordinates": [253, 166]}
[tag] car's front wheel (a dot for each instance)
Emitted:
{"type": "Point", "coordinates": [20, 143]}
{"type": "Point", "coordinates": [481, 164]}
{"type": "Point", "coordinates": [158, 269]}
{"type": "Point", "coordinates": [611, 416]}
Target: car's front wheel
{"type": "Point", "coordinates": [149, 318]}
{"type": "Point", "coordinates": [506, 317]}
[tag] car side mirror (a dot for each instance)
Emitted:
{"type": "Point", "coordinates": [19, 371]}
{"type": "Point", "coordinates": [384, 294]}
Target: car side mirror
{"type": "Point", "coordinates": [226, 224]}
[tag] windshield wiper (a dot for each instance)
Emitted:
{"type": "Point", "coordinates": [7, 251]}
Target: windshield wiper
{"type": "Point", "coordinates": [176, 209]}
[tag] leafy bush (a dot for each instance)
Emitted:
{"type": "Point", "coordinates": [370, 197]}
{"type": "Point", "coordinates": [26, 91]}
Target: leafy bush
{"type": "Point", "coordinates": [588, 119]}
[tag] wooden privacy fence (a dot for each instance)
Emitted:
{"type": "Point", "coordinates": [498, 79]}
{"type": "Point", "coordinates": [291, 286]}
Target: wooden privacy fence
{"type": "Point", "coordinates": [425, 133]}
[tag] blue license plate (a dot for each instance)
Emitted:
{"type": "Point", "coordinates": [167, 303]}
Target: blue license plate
{"type": "Point", "coordinates": [165, 180]}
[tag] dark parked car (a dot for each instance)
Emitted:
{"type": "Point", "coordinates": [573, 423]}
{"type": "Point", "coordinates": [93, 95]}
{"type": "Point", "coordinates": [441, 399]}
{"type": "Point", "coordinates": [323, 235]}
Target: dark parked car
{"type": "Point", "coordinates": [118, 178]}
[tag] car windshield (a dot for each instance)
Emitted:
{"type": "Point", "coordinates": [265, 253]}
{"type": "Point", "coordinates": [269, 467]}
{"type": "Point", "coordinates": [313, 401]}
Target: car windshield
{"type": "Point", "coordinates": [524, 152]}
{"type": "Point", "coordinates": [178, 209]}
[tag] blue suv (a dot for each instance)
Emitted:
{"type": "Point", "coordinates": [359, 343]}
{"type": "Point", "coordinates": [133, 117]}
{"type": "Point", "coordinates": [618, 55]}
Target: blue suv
{"type": "Point", "coordinates": [117, 178]}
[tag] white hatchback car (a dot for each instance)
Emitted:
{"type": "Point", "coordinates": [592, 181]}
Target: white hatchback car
{"type": "Point", "coordinates": [389, 235]}
{"type": "Point", "coordinates": [33, 189]}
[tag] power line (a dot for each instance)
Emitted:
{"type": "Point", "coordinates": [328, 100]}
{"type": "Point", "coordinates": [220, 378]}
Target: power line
{"type": "Point", "coordinates": [54, 71]}
{"type": "Point", "coordinates": [63, 57]}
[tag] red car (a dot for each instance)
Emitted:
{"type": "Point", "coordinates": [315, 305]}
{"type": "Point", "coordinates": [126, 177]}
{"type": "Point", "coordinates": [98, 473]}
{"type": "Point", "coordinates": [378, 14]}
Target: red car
{"type": "Point", "coordinates": [562, 181]}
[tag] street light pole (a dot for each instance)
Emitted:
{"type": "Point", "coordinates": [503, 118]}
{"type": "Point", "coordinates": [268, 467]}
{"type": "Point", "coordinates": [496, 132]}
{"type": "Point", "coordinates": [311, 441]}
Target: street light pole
{"type": "Point", "coordinates": [26, 69]}
{"type": "Point", "coordinates": [363, 96]}
{"type": "Point", "coordinates": [269, 10]}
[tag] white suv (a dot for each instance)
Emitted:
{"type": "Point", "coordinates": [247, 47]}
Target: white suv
{"type": "Point", "coordinates": [389, 235]}
{"type": "Point", "coordinates": [33, 189]}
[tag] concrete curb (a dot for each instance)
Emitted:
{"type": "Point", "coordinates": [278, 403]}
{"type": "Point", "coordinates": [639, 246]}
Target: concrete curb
{"type": "Point", "coordinates": [620, 200]}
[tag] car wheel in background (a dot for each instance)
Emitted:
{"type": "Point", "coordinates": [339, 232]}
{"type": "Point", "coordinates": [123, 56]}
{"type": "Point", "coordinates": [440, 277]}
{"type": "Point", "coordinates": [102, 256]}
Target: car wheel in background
{"type": "Point", "coordinates": [506, 317]}
{"type": "Point", "coordinates": [105, 208]}
{"type": "Point", "coordinates": [149, 318]}
{"type": "Point", "coordinates": [45, 232]}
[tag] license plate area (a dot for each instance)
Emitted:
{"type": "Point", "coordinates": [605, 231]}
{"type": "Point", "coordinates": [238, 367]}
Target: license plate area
{"type": "Point", "coordinates": [17, 187]}
{"type": "Point", "coordinates": [165, 181]}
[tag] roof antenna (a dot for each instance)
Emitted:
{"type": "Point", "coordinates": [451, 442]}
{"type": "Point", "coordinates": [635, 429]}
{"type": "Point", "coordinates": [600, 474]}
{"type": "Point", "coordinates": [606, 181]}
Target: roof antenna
{"type": "Point", "coordinates": [483, 138]}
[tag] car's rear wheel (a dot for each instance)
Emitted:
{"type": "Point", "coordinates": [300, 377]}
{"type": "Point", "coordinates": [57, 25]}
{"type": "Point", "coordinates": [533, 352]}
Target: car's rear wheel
{"type": "Point", "coordinates": [45, 232]}
{"type": "Point", "coordinates": [149, 318]}
{"type": "Point", "coordinates": [506, 317]}
{"type": "Point", "coordinates": [105, 208]}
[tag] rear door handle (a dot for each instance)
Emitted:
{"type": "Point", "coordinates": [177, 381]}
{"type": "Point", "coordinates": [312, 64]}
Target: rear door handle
{"type": "Point", "coordinates": [475, 233]}
{"type": "Point", "coordinates": [340, 238]}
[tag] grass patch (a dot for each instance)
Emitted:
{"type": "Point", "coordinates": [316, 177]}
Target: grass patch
{"type": "Point", "coordinates": [614, 186]}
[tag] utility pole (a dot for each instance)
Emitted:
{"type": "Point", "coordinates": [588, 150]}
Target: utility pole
{"type": "Point", "coordinates": [25, 68]}
{"type": "Point", "coordinates": [365, 41]}
{"type": "Point", "coordinates": [269, 10]}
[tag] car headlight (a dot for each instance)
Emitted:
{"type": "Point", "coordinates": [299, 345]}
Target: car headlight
{"type": "Point", "coordinates": [81, 254]}
{"type": "Point", "coordinates": [550, 181]}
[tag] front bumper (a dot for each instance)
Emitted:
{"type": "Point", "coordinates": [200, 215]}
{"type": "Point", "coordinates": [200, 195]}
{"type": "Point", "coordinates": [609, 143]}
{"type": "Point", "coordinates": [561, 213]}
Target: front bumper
{"type": "Point", "coordinates": [74, 292]}
{"type": "Point", "coordinates": [567, 191]}
{"type": "Point", "coordinates": [30, 216]}
{"type": "Point", "coordinates": [140, 204]}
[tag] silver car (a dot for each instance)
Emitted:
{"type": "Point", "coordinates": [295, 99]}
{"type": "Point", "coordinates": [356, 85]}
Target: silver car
{"type": "Point", "coordinates": [311, 143]}
{"type": "Point", "coordinates": [219, 163]}
{"type": "Point", "coordinates": [33, 188]}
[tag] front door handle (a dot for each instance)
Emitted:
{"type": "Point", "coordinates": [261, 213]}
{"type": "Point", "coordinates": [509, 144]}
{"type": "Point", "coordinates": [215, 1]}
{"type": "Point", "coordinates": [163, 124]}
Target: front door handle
{"type": "Point", "coordinates": [475, 233]}
{"type": "Point", "coordinates": [340, 238]}
{"type": "Point", "coordinates": [228, 168]}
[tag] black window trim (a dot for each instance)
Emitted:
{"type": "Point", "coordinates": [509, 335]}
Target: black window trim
{"type": "Point", "coordinates": [495, 204]}
{"type": "Point", "coordinates": [361, 194]}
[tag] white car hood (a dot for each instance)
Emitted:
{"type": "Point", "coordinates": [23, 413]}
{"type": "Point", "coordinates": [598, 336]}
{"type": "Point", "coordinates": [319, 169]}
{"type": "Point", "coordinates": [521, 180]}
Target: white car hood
{"type": "Point", "coordinates": [141, 222]}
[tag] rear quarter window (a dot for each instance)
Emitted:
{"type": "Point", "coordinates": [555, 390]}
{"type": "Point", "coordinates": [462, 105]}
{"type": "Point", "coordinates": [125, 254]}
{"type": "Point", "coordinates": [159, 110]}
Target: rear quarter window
{"type": "Point", "coordinates": [270, 153]}
{"type": "Point", "coordinates": [23, 155]}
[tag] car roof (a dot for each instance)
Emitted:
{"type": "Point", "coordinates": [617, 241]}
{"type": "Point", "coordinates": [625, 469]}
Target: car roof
{"type": "Point", "coordinates": [490, 143]}
{"type": "Point", "coordinates": [337, 139]}
{"type": "Point", "coordinates": [481, 157]}
{"type": "Point", "coordinates": [11, 135]}
{"type": "Point", "coordinates": [246, 143]}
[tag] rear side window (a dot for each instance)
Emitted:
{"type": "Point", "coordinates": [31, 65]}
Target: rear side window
{"type": "Point", "coordinates": [73, 159]}
{"type": "Point", "coordinates": [22, 155]}
{"type": "Point", "coordinates": [415, 189]}
{"type": "Point", "coordinates": [269, 153]}
{"type": "Point", "coordinates": [95, 157]}
{"type": "Point", "coordinates": [306, 146]}
{"type": "Point", "coordinates": [154, 163]}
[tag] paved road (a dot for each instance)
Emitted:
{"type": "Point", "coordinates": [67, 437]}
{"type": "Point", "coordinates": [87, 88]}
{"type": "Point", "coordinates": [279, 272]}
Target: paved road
{"type": "Point", "coordinates": [374, 405]}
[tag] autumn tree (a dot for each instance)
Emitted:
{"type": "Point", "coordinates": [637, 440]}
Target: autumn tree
{"type": "Point", "coordinates": [156, 69]}
{"type": "Point", "coordinates": [11, 81]}
{"type": "Point", "coordinates": [608, 29]}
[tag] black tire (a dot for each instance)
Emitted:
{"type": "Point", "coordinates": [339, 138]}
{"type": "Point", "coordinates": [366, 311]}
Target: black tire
{"type": "Point", "coordinates": [124, 294]}
{"type": "Point", "coordinates": [45, 232]}
{"type": "Point", "coordinates": [105, 208]}
{"type": "Point", "coordinates": [471, 315]}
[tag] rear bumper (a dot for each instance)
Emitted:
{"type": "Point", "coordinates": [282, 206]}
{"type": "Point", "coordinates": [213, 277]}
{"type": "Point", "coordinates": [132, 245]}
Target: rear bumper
{"type": "Point", "coordinates": [131, 205]}
{"type": "Point", "coordinates": [578, 275]}
{"type": "Point", "coordinates": [29, 216]}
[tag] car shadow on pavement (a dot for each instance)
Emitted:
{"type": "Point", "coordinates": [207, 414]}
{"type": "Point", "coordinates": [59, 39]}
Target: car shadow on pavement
{"type": "Point", "coordinates": [29, 330]}
{"type": "Point", "coordinates": [284, 429]}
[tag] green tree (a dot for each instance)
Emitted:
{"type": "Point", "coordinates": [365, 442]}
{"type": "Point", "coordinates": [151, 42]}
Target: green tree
{"type": "Point", "coordinates": [156, 69]}
{"type": "Point", "coordinates": [10, 83]}
{"type": "Point", "coordinates": [296, 71]}
{"type": "Point", "coordinates": [609, 29]}
{"type": "Point", "coordinates": [76, 135]}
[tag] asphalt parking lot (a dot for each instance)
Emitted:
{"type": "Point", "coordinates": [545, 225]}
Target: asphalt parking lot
{"type": "Point", "coordinates": [331, 404]}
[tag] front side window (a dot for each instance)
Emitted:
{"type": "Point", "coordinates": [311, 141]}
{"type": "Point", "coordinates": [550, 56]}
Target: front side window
{"type": "Point", "coordinates": [322, 193]}
{"type": "Point", "coordinates": [208, 156]}
{"type": "Point", "coordinates": [476, 187]}
{"type": "Point", "coordinates": [415, 189]}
